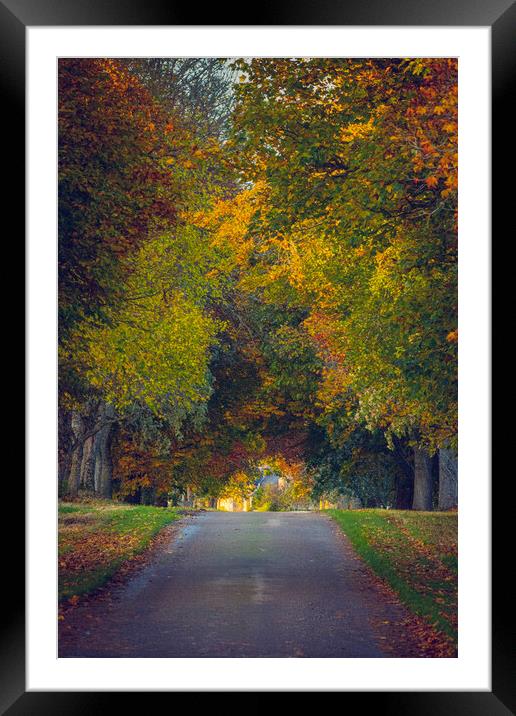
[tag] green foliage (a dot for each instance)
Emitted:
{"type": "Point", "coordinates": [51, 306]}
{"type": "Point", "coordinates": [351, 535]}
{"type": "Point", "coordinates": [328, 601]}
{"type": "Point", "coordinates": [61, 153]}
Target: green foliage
{"type": "Point", "coordinates": [354, 463]}
{"type": "Point", "coordinates": [156, 356]}
{"type": "Point", "coordinates": [239, 486]}
{"type": "Point", "coordinates": [293, 366]}
{"type": "Point", "coordinates": [359, 158]}
{"type": "Point", "coordinates": [267, 499]}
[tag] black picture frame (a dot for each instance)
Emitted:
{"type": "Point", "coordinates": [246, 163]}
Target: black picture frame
{"type": "Point", "coordinates": [500, 15]}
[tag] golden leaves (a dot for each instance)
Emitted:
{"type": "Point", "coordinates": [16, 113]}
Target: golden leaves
{"type": "Point", "coordinates": [357, 130]}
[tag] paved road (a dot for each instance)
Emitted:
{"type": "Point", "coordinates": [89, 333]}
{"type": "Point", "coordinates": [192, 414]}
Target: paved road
{"type": "Point", "coordinates": [245, 585]}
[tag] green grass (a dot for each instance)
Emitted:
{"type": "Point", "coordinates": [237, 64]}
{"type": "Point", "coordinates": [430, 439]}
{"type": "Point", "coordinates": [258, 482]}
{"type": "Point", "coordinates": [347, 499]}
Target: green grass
{"type": "Point", "coordinates": [98, 536]}
{"type": "Point", "coordinates": [415, 553]}
{"type": "Point", "coordinates": [65, 509]}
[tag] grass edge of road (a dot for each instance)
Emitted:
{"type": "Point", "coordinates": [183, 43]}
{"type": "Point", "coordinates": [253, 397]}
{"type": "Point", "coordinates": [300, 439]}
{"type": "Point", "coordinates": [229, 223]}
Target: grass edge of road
{"type": "Point", "coordinates": [96, 538]}
{"type": "Point", "coordinates": [360, 526]}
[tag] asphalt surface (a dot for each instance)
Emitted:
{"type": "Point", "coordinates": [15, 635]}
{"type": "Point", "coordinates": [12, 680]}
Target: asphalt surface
{"type": "Point", "coordinates": [259, 584]}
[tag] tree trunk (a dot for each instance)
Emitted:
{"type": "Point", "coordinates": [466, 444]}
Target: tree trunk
{"type": "Point", "coordinates": [106, 465]}
{"type": "Point", "coordinates": [148, 496]}
{"type": "Point", "coordinates": [96, 464]}
{"type": "Point", "coordinates": [448, 479]}
{"type": "Point", "coordinates": [404, 483]}
{"type": "Point", "coordinates": [102, 453]}
{"type": "Point", "coordinates": [65, 450]}
{"type": "Point", "coordinates": [65, 462]}
{"type": "Point", "coordinates": [189, 496]}
{"type": "Point", "coordinates": [423, 481]}
{"type": "Point", "coordinates": [74, 476]}
{"type": "Point", "coordinates": [160, 500]}
{"type": "Point", "coordinates": [88, 465]}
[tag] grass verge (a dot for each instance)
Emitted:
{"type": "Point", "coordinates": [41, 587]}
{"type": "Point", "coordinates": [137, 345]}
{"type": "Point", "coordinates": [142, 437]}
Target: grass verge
{"type": "Point", "coordinates": [415, 553]}
{"type": "Point", "coordinates": [96, 537]}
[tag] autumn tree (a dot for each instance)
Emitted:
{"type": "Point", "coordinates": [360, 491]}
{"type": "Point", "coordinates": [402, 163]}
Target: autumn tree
{"type": "Point", "coordinates": [135, 334]}
{"type": "Point", "coordinates": [358, 160]}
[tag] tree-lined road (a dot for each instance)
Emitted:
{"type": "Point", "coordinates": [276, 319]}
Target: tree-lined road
{"type": "Point", "coordinates": [245, 585]}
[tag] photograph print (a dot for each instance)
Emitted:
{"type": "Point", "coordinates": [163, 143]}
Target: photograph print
{"type": "Point", "coordinates": [258, 336]}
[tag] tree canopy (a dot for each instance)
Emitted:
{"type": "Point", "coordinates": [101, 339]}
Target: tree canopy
{"type": "Point", "coordinates": [258, 254]}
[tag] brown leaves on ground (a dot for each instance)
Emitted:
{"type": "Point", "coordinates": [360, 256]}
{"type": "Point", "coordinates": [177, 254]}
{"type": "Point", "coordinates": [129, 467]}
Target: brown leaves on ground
{"type": "Point", "coordinates": [420, 638]}
{"type": "Point", "coordinates": [432, 643]}
{"type": "Point", "coordinates": [423, 550]}
{"type": "Point", "coordinates": [94, 550]}
{"type": "Point", "coordinates": [433, 542]}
